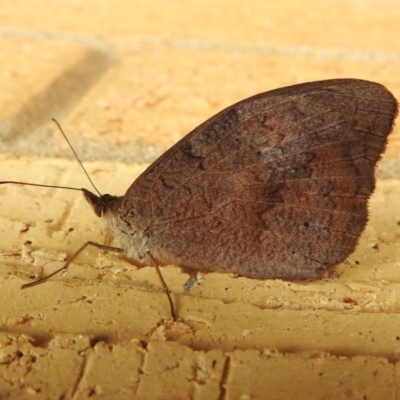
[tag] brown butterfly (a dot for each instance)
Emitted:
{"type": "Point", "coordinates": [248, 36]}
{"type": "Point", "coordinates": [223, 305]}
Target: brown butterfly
{"type": "Point", "coordinates": [275, 186]}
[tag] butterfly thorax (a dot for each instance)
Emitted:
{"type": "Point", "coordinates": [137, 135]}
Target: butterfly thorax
{"type": "Point", "coordinates": [121, 224]}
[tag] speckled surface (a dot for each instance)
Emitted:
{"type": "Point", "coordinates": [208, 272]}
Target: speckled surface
{"type": "Point", "coordinates": [126, 86]}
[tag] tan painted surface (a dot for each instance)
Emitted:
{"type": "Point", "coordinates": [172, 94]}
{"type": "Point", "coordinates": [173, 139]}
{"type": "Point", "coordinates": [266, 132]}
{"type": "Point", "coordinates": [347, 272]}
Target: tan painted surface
{"type": "Point", "coordinates": [127, 80]}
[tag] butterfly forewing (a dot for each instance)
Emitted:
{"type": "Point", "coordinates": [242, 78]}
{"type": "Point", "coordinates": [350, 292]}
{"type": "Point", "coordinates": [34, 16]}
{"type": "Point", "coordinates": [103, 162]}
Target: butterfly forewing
{"type": "Point", "coordinates": [274, 186]}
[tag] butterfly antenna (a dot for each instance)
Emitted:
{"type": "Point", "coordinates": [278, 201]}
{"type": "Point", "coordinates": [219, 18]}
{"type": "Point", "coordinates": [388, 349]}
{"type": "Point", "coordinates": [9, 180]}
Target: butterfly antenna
{"type": "Point", "coordinates": [76, 156]}
{"type": "Point", "coordinates": [39, 185]}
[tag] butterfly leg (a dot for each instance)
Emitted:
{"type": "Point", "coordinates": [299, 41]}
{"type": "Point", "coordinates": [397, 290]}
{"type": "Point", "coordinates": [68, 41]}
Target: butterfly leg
{"type": "Point", "coordinates": [171, 304]}
{"type": "Point", "coordinates": [66, 265]}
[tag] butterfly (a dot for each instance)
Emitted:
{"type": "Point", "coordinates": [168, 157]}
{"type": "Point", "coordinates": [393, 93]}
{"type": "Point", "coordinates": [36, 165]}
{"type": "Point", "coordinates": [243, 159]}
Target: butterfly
{"type": "Point", "coordinates": [275, 186]}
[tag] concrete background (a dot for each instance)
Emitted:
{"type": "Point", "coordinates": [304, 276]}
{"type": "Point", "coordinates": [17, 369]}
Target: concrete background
{"type": "Point", "coordinates": [127, 79]}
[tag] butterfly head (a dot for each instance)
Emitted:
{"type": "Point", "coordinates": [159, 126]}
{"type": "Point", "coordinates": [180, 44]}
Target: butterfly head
{"type": "Point", "coordinates": [123, 226]}
{"type": "Point", "coordinates": [102, 205]}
